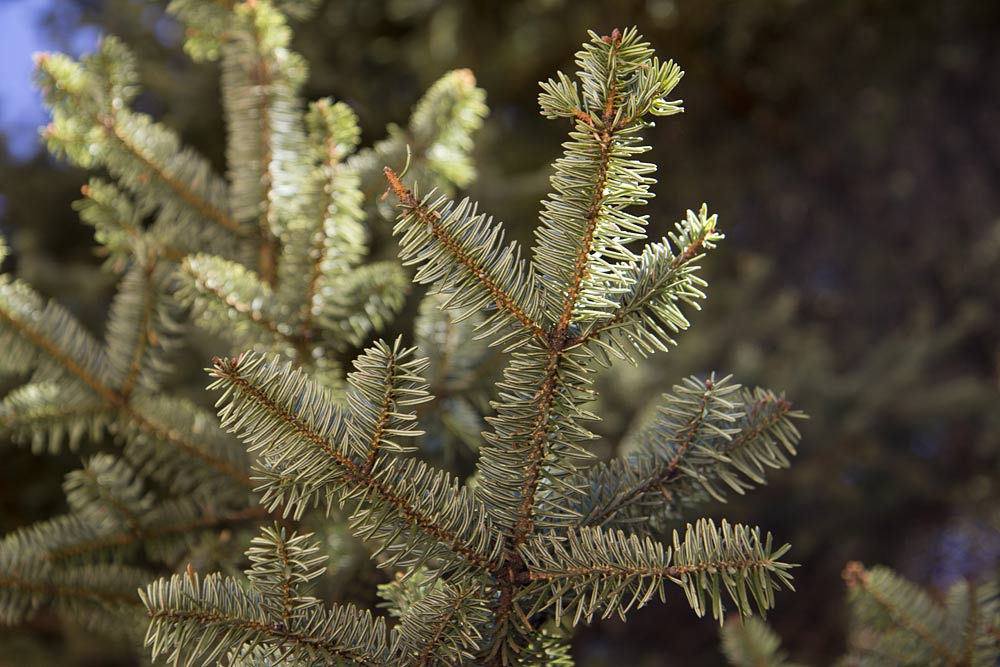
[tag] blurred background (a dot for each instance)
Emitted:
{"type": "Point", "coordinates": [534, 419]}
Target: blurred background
{"type": "Point", "coordinates": [852, 152]}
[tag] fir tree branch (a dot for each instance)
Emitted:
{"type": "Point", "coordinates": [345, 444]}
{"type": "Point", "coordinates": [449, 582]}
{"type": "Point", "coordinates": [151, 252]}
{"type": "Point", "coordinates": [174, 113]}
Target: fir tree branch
{"type": "Point", "coordinates": [95, 595]}
{"type": "Point", "coordinates": [139, 534]}
{"type": "Point", "coordinates": [338, 231]}
{"type": "Point", "coordinates": [282, 567]}
{"type": "Point", "coordinates": [143, 335]}
{"type": "Point", "coordinates": [608, 570]}
{"type": "Point", "coordinates": [481, 272]}
{"type": "Point", "coordinates": [360, 302]}
{"type": "Point", "coordinates": [537, 445]}
{"type": "Point", "coordinates": [268, 248]}
{"type": "Point", "coordinates": [381, 422]}
{"type": "Point", "coordinates": [591, 570]}
{"type": "Point", "coordinates": [891, 596]}
{"type": "Point", "coordinates": [663, 277]}
{"type": "Point", "coordinates": [750, 642]}
{"type": "Point", "coordinates": [443, 627]}
{"type": "Point", "coordinates": [536, 440]}
{"type": "Point", "coordinates": [44, 414]}
{"type": "Point", "coordinates": [60, 591]}
{"type": "Point", "coordinates": [502, 557]}
{"type": "Point", "coordinates": [144, 324]}
{"type": "Point", "coordinates": [29, 421]}
{"type": "Point", "coordinates": [53, 351]}
{"type": "Point", "coordinates": [437, 140]}
{"type": "Point", "coordinates": [106, 482]}
{"type": "Point", "coordinates": [210, 282]}
{"type": "Point", "coordinates": [197, 622]}
{"type": "Point", "coordinates": [685, 436]}
{"type": "Point", "coordinates": [584, 223]}
{"type": "Point", "coordinates": [261, 79]}
{"type": "Point", "coordinates": [249, 75]}
{"type": "Point", "coordinates": [173, 437]}
{"type": "Point", "coordinates": [252, 381]}
{"type": "Point", "coordinates": [708, 436]}
{"type": "Point", "coordinates": [93, 124]}
{"type": "Point", "coordinates": [118, 225]}
{"type": "Point", "coordinates": [199, 204]}
{"type": "Point", "coordinates": [598, 193]}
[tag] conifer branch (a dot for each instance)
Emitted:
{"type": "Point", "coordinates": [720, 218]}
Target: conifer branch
{"type": "Point", "coordinates": [45, 415]}
{"type": "Point", "coordinates": [471, 244]}
{"type": "Point", "coordinates": [118, 226]}
{"type": "Point", "coordinates": [536, 441]}
{"type": "Point", "coordinates": [198, 621]}
{"type": "Point", "coordinates": [144, 325]}
{"type": "Point", "coordinates": [93, 125]}
{"type": "Point", "coordinates": [96, 593]}
{"type": "Point", "coordinates": [487, 572]}
{"type": "Point", "coordinates": [199, 204]}
{"type": "Point", "coordinates": [593, 570]}
{"type": "Point", "coordinates": [750, 642]}
{"type": "Point", "coordinates": [893, 622]}
{"type": "Point", "coordinates": [296, 416]}
{"type": "Point", "coordinates": [72, 549]}
{"type": "Point", "coordinates": [152, 421]}
{"type": "Point", "coordinates": [710, 435]}
{"type": "Point", "coordinates": [685, 436]}
{"type": "Point", "coordinates": [260, 82]}
{"type": "Point", "coordinates": [591, 190]}
{"type": "Point", "coordinates": [443, 627]}
{"type": "Point", "coordinates": [537, 447]}
{"type": "Point", "coordinates": [282, 567]}
{"type": "Point", "coordinates": [173, 437]}
{"type": "Point", "coordinates": [385, 381]}
{"type": "Point", "coordinates": [583, 226]}
{"type": "Point", "coordinates": [59, 339]}
{"type": "Point", "coordinates": [648, 311]}
{"type": "Point", "coordinates": [271, 612]}
{"type": "Point", "coordinates": [907, 607]}
{"type": "Point", "coordinates": [143, 337]}
{"type": "Point", "coordinates": [268, 248]}
{"type": "Point", "coordinates": [83, 371]}
{"type": "Point", "coordinates": [363, 302]}
{"type": "Point", "coordinates": [218, 288]}
{"type": "Point", "coordinates": [336, 243]}
{"type": "Point", "coordinates": [107, 483]}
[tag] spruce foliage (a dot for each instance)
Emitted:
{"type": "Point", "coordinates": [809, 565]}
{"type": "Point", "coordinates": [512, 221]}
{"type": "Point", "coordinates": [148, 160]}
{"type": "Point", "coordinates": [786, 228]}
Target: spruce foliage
{"type": "Point", "coordinates": [273, 261]}
{"type": "Point", "coordinates": [893, 622]}
{"type": "Point", "coordinates": [273, 257]}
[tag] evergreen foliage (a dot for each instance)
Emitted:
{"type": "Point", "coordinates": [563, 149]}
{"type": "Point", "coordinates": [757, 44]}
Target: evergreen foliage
{"type": "Point", "coordinates": [493, 570]}
{"type": "Point", "coordinates": [893, 622]}
{"type": "Point", "coordinates": [260, 259]}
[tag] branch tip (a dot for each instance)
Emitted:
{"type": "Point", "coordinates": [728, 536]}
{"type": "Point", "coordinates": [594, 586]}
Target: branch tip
{"type": "Point", "coordinates": [615, 37]}
{"type": "Point", "coordinates": [854, 574]}
{"type": "Point", "coordinates": [401, 191]}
